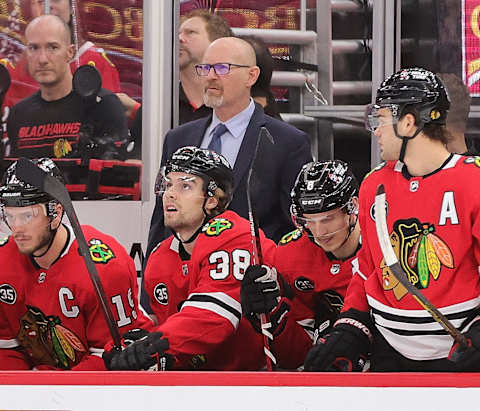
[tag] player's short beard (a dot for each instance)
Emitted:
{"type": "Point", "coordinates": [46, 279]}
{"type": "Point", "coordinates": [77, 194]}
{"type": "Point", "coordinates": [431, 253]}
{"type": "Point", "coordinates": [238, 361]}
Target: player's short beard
{"type": "Point", "coordinates": [43, 242]}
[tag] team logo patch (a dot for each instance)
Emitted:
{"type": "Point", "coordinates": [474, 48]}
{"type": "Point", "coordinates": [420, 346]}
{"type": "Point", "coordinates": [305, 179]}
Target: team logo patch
{"type": "Point", "coordinates": [217, 227]}
{"type": "Point", "coordinates": [420, 252]}
{"type": "Point", "coordinates": [291, 236]}
{"type": "Point", "coordinates": [372, 210]}
{"type": "Point", "coordinates": [185, 269]}
{"type": "Point", "coordinates": [473, 160]}
{"type": "Point", "coordinates": [47, 341]}
{"type": "Point", "coordinates": [304, 284]}
{"type": "Point", "coordinates": [435, 114]}
{"type": "Point", "coordinates": [161, 293]}
{"type": "Point", "coordinates": [61, 148]}
{"type": "Point", "coordinates": [4, 241]}
{"type": "Point", "coordinates": [8, 295]}
{"type": "Point", "coordinates": [99, 251]}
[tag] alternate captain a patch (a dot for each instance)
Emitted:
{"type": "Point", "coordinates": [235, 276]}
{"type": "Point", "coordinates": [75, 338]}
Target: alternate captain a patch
{"type": "Point", "coordinates": [216, 227]}
{"type": "Point", "coordinates": [99, 251]}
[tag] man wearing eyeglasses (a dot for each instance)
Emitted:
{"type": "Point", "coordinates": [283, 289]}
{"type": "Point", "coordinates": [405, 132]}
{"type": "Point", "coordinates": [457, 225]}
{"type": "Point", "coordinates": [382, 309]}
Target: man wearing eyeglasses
{"type": "Point", "coordinates": [227, 74]}
{"type": "Point", "coordinates": [197, 31]}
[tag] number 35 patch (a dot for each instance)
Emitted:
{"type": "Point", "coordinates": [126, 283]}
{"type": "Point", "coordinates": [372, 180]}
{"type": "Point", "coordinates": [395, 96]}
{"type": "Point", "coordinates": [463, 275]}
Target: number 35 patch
{"type": "Point", "coordinates": [8, 295]}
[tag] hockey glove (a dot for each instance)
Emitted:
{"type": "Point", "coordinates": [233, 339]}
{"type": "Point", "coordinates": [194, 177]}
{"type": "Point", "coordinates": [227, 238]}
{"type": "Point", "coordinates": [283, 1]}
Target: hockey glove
{"type": "Point", "coordinates": [260, 294]}
{"type": "Point", "coordinates": [468, 358]}
{"type": "Point", "coordinates": [141, 350]}
{"type": "Point", "coordinates": [328, 305]}
{"type": "Point", "coordinates": [345, 348]}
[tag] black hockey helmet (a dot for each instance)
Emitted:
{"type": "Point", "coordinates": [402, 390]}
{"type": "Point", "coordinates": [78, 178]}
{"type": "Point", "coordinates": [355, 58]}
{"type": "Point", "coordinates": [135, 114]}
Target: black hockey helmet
{"type": "Point", "coordinates": [17, 193]}
{"type": "Point", "coordinates": [323, 186]}
{"type": "Point", "coordinates": [213, 168]}
{"type": "Point", "coordinates": [417, 88]}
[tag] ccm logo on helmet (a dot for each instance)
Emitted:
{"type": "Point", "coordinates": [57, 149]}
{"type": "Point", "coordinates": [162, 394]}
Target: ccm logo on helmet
{"type": "Point", "coordinates": [8, 295]}
{"type": "Point", "coordinates": [311, 202]}
{"type": "Point", "coordinates": [304, 284]}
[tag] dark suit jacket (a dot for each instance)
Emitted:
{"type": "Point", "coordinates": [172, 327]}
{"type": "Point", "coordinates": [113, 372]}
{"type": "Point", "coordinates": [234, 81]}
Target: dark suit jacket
{"type": "Point", "coordinates": [271, 196]}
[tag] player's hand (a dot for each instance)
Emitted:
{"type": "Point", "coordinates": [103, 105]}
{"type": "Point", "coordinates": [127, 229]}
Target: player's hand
{"type": "Point", "coordinates": [467, 358]}
{"type": "Point", "coordinates": [260, 294]}
{"type": "Point", "coordinates": [260, 291]}
{"type": "Point", "coordinates": [141, 350]}
{"type": "Point", "coordinates": [345, 348]}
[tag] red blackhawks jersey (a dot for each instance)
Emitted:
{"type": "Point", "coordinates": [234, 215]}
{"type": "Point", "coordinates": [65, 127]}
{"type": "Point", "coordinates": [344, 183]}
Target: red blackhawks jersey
{"type": "Point", "coordinates": [434, 226]}
{"type": "Point", "coordinates": [197, 302]}
{"type": "Point", "coordinates": [51, 318]}
{"type": "Point", "coordinates": [310, 271]}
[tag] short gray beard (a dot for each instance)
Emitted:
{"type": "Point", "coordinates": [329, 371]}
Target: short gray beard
{"type": "Point", "coordinates": [212, 102]}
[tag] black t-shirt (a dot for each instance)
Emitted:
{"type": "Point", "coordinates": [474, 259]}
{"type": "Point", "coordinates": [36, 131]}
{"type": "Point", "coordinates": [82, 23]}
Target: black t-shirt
{"type": "Point", "coordinates": [187, 112]}
{"type": "Point", "coordinates": [68, 127]}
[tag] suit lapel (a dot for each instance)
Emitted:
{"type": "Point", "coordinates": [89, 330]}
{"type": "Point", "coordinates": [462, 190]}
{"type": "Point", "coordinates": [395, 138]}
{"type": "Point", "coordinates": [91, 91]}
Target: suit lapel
{"type": "Point", "coordinates": [247, 148]}
{"type": "Point", "coordinates": [202, 127]}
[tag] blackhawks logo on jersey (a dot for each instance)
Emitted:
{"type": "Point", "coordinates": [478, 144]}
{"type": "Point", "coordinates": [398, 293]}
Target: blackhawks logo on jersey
{"type": "Point", "coordinates": [217, 226]}
{"type": "Point", "coordinates": [99, 251]}
{"type": "Point", "coordinates": [291, 236]}
{"type": "Point", "coordinates": [47, 342]}
{"type": "Point", "coordinates": [421, 253]}
{"type": "Point", "coordinates": [4, 241]}
{"type": "Point", "coordinates": [473, 160]}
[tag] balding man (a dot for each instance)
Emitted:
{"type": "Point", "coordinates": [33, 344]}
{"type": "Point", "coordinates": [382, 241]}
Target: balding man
{"type": "Point", "coordinates": [55, 121]}
{"type": "Point", "coordinates": [227, 73]}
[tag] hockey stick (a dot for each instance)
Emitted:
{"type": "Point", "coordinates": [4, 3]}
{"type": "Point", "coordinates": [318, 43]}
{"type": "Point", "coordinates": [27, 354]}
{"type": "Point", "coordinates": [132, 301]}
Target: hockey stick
{"type": "Point", "coordinates": [30, 173]}
{"type": "Point", "coordinates": [392, 262]}
{"type": "Point", "coordinates": [257, 255]}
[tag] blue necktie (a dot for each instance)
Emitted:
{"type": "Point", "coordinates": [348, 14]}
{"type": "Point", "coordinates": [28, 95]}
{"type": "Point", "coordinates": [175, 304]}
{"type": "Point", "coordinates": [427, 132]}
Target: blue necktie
{"type": "Point", "coordinates": [216, 142]}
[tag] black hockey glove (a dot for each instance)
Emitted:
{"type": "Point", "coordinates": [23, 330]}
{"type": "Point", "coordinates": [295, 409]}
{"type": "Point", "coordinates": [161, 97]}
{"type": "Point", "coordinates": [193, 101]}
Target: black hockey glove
{"type": "Point", "coordinates": [142, 351]}
{"type": "Point", "coordinates": [345, 348]}
{"type": "Point", "coordinates": [468, 358]}
{"type": "Point", "coordinates": [328, 305]}
{"type": "Point", "coordinates": [260, 294]}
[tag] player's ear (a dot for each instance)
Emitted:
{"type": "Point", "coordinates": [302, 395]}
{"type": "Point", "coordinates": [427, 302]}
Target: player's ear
{"type": "Point", "coordinates": [211, 204]}
{"type": "Point", "coordinates": [58, 219]}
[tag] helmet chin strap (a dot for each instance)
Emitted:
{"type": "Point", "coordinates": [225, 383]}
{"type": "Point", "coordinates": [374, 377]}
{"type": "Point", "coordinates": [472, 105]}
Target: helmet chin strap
{"type": "Point", "coordinates": [405, 140]}
{"type": "Point", "coordinates": [53, 233]}
{"type": "Point", "coordinates": [199, 229]}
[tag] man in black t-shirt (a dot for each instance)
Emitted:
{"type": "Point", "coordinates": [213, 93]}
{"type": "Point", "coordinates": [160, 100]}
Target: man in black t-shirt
{"type": "Point", "coordinates": [56, 121]}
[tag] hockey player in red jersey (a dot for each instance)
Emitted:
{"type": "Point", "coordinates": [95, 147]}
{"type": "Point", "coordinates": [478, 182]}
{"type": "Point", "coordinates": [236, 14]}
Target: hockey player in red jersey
{"type": "Point", "coordinates": [50, 315]}
{"type": "Point", "coordinates": [193, 277]}
{"type": "Point", "coordinates": [314, 262]}
{"type": "Point", "coordinates": [433, 217]}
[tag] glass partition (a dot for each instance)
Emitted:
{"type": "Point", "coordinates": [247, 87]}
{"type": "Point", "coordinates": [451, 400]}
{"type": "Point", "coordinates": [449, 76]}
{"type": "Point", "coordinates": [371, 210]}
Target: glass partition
{"type": "Point", "coordinates": [99, 161]}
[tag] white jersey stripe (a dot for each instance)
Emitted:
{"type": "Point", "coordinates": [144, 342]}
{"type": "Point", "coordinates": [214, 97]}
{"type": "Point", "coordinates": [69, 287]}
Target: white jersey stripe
{"type": "Point", "coordinates": [13, 343]}
{"type": "Point", "coordinates": [414, 333]}
{"type": "Point", "coordinates": [219, 303]}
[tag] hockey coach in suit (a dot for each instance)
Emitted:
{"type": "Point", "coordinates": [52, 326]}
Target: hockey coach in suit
{"type": "Point", "coordinates": [228, 72]}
